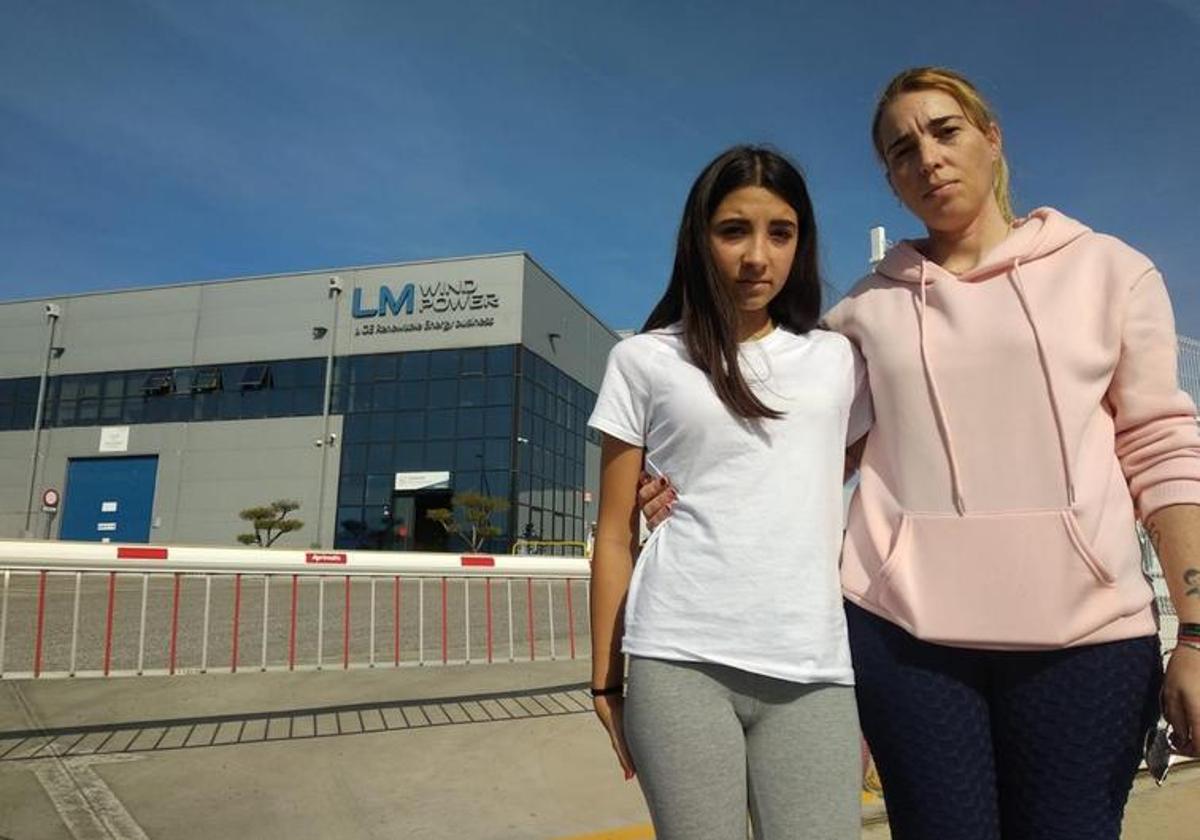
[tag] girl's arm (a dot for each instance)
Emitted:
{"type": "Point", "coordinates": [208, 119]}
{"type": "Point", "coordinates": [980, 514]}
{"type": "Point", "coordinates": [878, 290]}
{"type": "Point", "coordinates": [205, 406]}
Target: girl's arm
{"type": "Point", "coordinates": [1175, 534]}
{"type": "Point", "coordinates": [612, 567]}
{"type": "Point", "coordinates": [612, 556]}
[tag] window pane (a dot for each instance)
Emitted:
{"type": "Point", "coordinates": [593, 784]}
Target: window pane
{"type": "Point", "coordinates": [350, 490]}
{"type": "Point", "coordinates": [440, 425]}
{"type": "Point", "coordinates": [385, 396]}
{"type": "Point", "coordinates": [408, 457]}
{"type": "Point", "coordinates": [443, 393]}
{"type": "Point", "coordinates": [470, 422]}
{"type": "Point", "coordinates": [386, 366]}
{"type": "Point", "coordinates": [497, 453]}
{"type": "Point", "coordinates": [471, 390]}
{"type": "Point", "coordinates": [410, 425]}
{"type": "Point", "coordinates": [311, 373]}
{"type": "Point", "coordinates": [379, 457]}
{"type": "Point", "coordinates": [497, 422]}
{"type": "Point", "coordinates": [471, 361]}
{"type": "Point", "coordinates": [383, 427]}
{"type": "Point", "coordinates": [414, 366]}
{"type": "Point", "coordinates": [281, 403]}
{"type": "Point", "coordinates": [413, 395]}
{"type": "Point", "coordinates": [361, 368]}
{"type": "Point", "coordinates": [499, 390]}
{"type": "Point", "coordinates": [439, 455]}
{"type": "Point", "coordinates": [443, 363]}
{"type": "Point", "coordinates": [307, 401]}
{"type": "Point", "coordinates": [378, 489]}
{"type": "Point", "coordinates": [499, 360]}
{"type": "Point", "coordinates": [354, 458]}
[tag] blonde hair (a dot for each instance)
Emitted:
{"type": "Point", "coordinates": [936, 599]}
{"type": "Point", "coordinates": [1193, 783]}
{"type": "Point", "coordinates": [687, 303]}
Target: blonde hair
{"type": "Point", "coordinates": [976, 109]}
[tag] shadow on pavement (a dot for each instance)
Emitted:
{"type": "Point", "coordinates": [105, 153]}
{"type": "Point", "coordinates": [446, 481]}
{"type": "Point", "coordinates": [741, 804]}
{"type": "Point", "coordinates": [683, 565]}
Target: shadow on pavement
{"type": "Point", "coordinates": [292, 724]}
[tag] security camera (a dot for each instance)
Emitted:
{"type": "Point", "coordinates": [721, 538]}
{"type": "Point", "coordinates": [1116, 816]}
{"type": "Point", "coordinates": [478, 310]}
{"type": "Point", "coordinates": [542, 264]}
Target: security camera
{"type": "Point", "coordinates": [53, 310]}
{"type": "Point", "coordinates": [335, 284]}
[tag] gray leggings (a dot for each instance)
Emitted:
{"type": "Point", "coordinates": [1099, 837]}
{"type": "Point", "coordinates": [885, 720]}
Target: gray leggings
{"type": "Point", "coordinates": [711, 743]}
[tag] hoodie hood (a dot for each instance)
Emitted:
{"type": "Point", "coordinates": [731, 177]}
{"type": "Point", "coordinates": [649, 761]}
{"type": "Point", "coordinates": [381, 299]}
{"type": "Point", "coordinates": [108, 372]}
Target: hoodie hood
{"type": "Point", "coordinates": [1043, 232]}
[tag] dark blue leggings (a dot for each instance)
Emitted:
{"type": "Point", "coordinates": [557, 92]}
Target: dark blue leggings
{"type": "Point", "coordinates": [984, 745]}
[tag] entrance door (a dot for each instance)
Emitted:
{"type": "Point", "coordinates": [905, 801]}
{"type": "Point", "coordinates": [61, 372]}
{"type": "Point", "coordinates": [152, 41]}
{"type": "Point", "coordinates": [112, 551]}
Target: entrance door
{"type": "Point", "coordinates": [109, 499]}
{"type": "Point", "coordinates": [409, 528]}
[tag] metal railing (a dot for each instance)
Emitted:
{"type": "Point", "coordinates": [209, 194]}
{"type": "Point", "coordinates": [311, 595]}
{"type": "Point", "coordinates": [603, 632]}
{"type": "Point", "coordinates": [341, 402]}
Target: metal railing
{"type": "Point", "coordinates": [91, 609]}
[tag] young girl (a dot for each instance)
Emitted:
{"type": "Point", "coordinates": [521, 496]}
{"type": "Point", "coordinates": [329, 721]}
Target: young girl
{"type": "Point", "coordinates": [740, 695]}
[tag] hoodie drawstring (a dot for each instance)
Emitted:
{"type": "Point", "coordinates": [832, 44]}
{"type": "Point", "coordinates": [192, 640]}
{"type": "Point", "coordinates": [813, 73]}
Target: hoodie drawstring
{"type": "Point", "coordinates": [1014, 278]}
{"type": "Point", "coordinates": [939, 409]}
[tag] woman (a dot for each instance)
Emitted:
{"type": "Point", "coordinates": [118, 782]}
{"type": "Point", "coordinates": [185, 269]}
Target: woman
{"type": "Point", "coordinates": [1027, 410]}
{"type": "Point", "coordinates": [730, 388]}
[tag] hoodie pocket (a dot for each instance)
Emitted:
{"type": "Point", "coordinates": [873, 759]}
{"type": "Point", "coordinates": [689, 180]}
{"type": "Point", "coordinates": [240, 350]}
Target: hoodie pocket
{"type": "Point", "coordinates": [1025, 579]}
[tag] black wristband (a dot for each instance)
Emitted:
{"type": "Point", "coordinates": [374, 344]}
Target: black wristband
{"type": "Point", "coordinates": [609, 691]}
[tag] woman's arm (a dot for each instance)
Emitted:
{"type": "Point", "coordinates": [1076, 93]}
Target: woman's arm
{"type": "Point", "coordinates": [612, 567]}
{"type": "Point", "coordinates": [1175, 533]}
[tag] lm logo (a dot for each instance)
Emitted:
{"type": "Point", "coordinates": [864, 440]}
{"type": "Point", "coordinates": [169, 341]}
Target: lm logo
{"type": "Point", "coordinates": [388, 302]}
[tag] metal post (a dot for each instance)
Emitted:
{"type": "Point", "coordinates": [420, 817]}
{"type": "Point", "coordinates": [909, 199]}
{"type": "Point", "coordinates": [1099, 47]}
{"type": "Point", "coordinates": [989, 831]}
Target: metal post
{"type": "Point", "coordinates": [53, 312]}
{"type": "Point", "coordinates": [335, 295]}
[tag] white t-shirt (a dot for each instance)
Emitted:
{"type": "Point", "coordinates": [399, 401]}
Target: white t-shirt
{"type": "Point", "coordinates": [745, 571]}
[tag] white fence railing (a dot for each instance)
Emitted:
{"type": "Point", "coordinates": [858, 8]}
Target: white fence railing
{"type": "Point", "coordinates": [95, 609]}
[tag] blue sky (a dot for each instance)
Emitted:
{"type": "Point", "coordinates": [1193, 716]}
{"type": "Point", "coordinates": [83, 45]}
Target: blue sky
{"type": "Point", "coordinates": [148, 143]}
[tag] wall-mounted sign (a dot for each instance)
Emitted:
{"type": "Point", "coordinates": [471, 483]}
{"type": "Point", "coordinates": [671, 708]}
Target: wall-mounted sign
{"type": "Point", "coordinates": [106, 526]}
{"type": "Point", "coordinates": [445, 306]}
{"type": "Point", "coordinates": [50, 499]}
{"type": "Point", "coordinates": [108, 507]}
{"type": "Point", "coordinates": [325, 558]}
{"type": "Point", "coordinates": [422, 481]}
{"type": "Point", "coordinates": [114, 439]}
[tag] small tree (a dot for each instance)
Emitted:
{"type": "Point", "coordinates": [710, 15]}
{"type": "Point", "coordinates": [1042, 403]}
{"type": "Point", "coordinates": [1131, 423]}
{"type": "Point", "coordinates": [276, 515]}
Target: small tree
{"type": "Point", "coordinates": [270, 522]}
{"type": "Point", "coordinates": [477, 509]}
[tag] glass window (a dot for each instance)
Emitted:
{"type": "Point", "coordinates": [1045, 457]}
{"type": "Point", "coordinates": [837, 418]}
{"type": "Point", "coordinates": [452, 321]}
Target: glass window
{"type": "Point", "coordinates": [439, 455]}
{"type": "Point", "coordinates": [410, 425]}
{"type": "Point", "coordinates": [408, 457]}
{"type": "Point", "coordinates": [311, 373]}
{"type": "Point", "coordinates": [255, 377]}
{"type": "Point", "coordinates": [254, 403]}
{"type": "Point", "coordinates": [499, 360]}
{"type": "Point", "coordinates": [360, 369]}
{"type": "Point", "coordinates": [207, 379]}
{"type": "Point", "coordinates": [357, 427]}
{"type": "Point", "coordinates": [153, 411]}
{"type": "Point", "coordinates": [413, 395]}
{"type": "Point", "coordinates": [66, 412]}
{"type": "Point", "coordinates": [132, 410]}
{"type": "Point", "coordinates": [414, 366]}
{"type": "Point", "coordinates": [354, 458]}
{"type": "Point", "coordinates": [350, 490]}
{"type": "Point", "coordinates": [443, 363]}
{"type": "Point", "coordinates": [379, 457]}
{"type": "Point", "coordinates": [180, 408]}
{"type": "Point", "coordinates": [498, 485]}
{"type": "Point", "coordinates": [379, 489]}
{"type": "Point", "coordinates": [440, 424]}
{"type": "Point", "coordinates": [27, 390]}
{"type": "Point", "coordinates": [471, 390]}
{"type": "Point", "coordinates": [158, 382]}
{"type": "Point", "coordinates": [468, 457]}
{"type": "Point", "coordinates": [443, 393]}
{"type": "Point", "coordinates": [280, 403]}
{"type": "Point", "coordinates": [499, 390]}
{"type": "Point", "coordinates": [470, 422]}
{"type": "Point", "coordinates": [471, 361]}
{"type": "Point", "coordinates": [382, 428]}
{"type": "Point", "coordinates": [386, 366]}
{"type": "Point", "coordinates": [114, 386]}
{"type": "Point", "coordinates": [497, 454]}
{"type": "Point", "coordinates": [204, 406]}
{"type": "Point", "coordinates": [8, 389]}
{"type": "Point", "coordinates": [23, 415]}
{"type": "Point", "coordinates": [308, 400]}
{"type": "Point", "coordinates": [497, 422]}
{"type": "Point", "coordinates": [360, 398]}
{"type": "Point", "coordinates": [385, 396]}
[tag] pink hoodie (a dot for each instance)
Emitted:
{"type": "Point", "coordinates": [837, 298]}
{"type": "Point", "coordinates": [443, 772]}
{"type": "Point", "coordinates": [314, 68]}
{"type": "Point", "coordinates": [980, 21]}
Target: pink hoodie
{"type": "Point", "coordinates": [1024, 411]}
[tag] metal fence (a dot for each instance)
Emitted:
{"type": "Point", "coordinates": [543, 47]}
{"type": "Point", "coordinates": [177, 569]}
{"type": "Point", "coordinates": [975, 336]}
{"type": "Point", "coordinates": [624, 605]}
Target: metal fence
{"type": "Point", "coordinates": [90, 609]}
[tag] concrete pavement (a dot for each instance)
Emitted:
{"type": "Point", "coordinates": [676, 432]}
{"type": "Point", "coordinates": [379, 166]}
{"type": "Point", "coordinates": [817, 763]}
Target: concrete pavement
{"type": "Point", "coordinates": [506, 752]}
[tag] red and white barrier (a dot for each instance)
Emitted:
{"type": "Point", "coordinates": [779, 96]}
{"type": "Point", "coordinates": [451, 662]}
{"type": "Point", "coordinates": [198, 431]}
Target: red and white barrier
{"type": "Point", "coordinates": [518, 600]}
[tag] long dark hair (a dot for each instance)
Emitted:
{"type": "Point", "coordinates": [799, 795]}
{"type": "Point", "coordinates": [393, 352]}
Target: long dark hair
{"type": "Point", "coordinates": [697, 298]}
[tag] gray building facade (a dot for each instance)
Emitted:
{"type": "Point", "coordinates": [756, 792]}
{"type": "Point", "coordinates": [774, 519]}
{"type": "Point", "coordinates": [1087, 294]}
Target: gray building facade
{"type": "Point", "coordinates": [165, 411]}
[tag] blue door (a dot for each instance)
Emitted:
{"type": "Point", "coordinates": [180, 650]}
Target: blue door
{"type": "Point", "coordinates": [109, 499]}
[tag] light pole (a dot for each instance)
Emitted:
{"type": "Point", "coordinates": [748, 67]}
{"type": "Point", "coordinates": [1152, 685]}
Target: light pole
{"type": "Point", "coordinates": [53, 313]}
{"type": "Point", "coordinates": [326, 440]}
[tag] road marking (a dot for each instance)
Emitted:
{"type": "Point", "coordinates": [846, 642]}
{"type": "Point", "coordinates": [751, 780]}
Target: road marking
{"type": "Point", "coordinates": [87, 806]}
